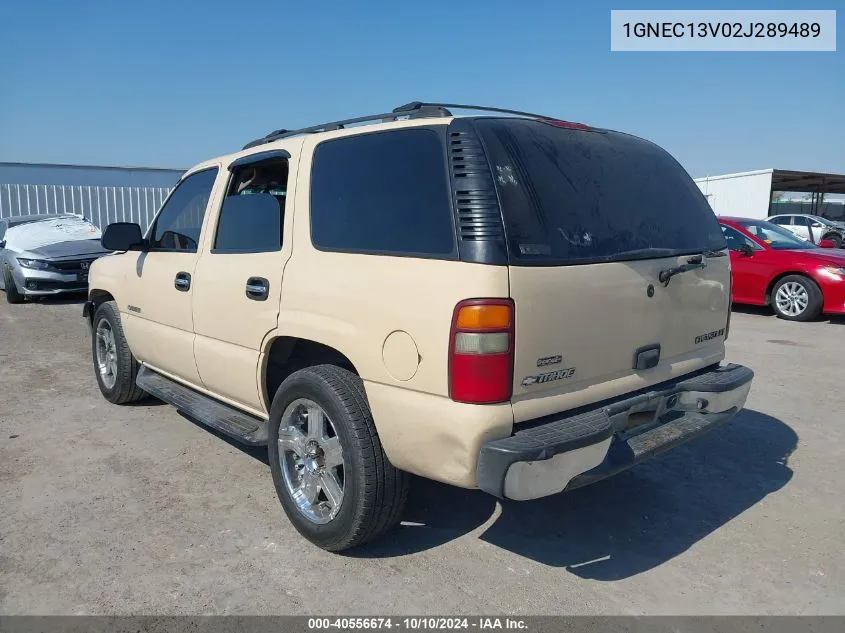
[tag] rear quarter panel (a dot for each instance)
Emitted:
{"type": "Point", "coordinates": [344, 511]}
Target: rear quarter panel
{"type": "Point", "coordinates": [356, 302]}
{"type": "Point", "coordinates": [391, 316]}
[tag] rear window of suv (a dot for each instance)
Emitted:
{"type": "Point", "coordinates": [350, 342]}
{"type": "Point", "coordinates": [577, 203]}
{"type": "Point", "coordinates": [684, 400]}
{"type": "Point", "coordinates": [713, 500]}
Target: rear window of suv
{"type": "Point", "coordinates": [577, 197]}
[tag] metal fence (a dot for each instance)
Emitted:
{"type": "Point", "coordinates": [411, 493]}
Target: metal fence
{"type": "Point", "coordinates": [101, 205]}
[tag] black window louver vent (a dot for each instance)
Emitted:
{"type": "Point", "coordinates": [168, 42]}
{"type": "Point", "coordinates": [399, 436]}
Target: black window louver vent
{"type": "Point", "coordinates": [476, 203]}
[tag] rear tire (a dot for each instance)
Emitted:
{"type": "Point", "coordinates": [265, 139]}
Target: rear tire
{"type": "Point", "coordinates": [797, 298]}
{"type": "Point", "coordinates": [310, 471]}
{"type": "Point", "coordinates": [114, 366]}
{"type": "Point", "coordinates": [12, 293]}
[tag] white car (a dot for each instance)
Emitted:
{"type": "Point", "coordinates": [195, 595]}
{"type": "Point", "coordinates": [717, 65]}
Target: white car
{"type": "Point", "coordinates": [812, 227]}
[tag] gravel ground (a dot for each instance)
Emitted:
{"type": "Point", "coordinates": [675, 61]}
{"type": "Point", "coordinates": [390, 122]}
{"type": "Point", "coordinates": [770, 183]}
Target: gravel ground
{"type": "Point", "coordinates": [137, 510]}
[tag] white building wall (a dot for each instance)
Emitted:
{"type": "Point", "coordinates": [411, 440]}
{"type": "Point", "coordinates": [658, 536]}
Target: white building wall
{"type": "Point", "coordinates": [745, 195]}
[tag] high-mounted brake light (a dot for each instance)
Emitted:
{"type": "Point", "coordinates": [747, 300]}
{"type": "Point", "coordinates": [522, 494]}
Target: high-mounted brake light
{"type": "Point", "coordinates": [481, 347]}
{"type": "Point", "coordinates": [569, 125]}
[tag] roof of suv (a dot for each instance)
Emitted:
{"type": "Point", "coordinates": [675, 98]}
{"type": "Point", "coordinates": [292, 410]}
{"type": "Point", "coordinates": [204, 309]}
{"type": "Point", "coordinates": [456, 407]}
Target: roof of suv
{"type": "Point", "coordinates": [413, 110]}
{"type": "Point", "coordinates": [297, 141]}
{"type": "Point", "coordinates": [416, 113]}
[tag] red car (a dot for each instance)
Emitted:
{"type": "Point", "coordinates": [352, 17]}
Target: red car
{"type": "Point", "coordinates": [771, 266]}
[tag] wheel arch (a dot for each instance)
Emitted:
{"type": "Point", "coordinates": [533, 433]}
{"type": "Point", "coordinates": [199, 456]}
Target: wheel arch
{"type": "Point", "coordinates": [774, 281]}
{"type": "Point", "coordinates": [285, 354]}
{"type": "Point", "coordinates": [97, 297]}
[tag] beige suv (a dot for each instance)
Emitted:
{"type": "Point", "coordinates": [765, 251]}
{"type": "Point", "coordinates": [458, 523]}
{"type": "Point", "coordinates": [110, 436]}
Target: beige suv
{"type": "Point", "coordinates": [502, 301]}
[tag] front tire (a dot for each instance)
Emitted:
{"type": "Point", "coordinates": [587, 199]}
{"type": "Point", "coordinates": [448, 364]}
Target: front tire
{"type": "Point", "coordinates": [334, 481]}
{"type": "Point", "coordinates": [115, 367]}
{"type": "Point", "coordinates": [13, 295]}
{"type": "Point", "coordinates": [797, 298]}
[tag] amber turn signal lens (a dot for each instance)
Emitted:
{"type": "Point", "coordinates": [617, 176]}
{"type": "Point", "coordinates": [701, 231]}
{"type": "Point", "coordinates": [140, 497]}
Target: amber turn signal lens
{"type": "Point", "coordinates": [484, 317]}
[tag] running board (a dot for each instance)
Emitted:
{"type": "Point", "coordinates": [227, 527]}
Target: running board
{"type": "Point", "coordinates": [222, 417]}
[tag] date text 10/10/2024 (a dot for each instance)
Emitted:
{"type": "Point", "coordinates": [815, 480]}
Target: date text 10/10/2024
{"type": "Point", "coordinates": [416, 623]}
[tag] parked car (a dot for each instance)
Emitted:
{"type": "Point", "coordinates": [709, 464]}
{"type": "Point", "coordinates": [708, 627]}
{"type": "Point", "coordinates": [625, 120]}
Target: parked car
{"type": "Point", "coordinates": [46, 255]}
{"type": "Point", "coordinates": [812, 227]}
{"type": "Point", "coordinates": [772, 266]}
{"type": "Point", "coordinates": [517, 304]}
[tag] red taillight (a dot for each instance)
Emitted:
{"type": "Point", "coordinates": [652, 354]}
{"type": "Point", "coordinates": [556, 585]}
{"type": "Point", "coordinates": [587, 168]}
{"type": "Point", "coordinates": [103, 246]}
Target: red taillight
{"type": "Point", "coordinates": [569, 125]}
{"type": "Point", "coordinates": [481, 347]}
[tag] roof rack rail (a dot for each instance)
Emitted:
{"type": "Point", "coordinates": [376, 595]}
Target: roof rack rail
{"type": "Point", "coordinates": [422, 111]}
{"type": "Point", "coordinates": [425, 105]}
{"type": "Point", "coordinates": [415, 109]}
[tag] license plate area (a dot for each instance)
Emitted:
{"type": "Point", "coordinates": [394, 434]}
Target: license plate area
{"type": "Point", "coordinates": [644, 416]}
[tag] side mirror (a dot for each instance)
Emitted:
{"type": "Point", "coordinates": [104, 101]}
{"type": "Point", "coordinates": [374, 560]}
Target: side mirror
{"type": "Point", "coordinates": [746, 251]}
{"type": "Point", "coordinates": [827, 244]}
{"type": "Point", "coordinates": [122, 236]}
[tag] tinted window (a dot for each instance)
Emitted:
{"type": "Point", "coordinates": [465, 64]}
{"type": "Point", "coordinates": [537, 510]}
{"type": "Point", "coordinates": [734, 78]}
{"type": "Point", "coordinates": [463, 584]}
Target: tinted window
{"type": "Point", "coordinates": [252, 216]}
{"type": "Point", "coordinates": [783, 220]}
{"type": "Point", "coordinates": [178, 225]}
{"type": "Point", "coordinates": [249, 224]}
{"type": "Point", "coordinates": [799, 220]}
{"type": "Point", "coordinates": [2, 229]}
{"type": "Point", "coordinates": [736, 240]}
{"type": "Point", "coordinates": [572, 196]}
{"type": "Point", "coordinates": [383, 192]}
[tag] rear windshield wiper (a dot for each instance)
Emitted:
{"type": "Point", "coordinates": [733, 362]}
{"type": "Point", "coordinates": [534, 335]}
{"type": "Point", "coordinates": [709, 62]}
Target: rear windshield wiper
{"type": "Point", "coordinates": [693, 263]}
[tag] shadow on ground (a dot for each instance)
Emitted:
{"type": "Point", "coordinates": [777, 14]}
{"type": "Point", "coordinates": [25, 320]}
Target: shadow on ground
{"type": "Point", "coordinates": [763, 311]}
{"type": "Point", "coordinates": [60, 300]}
{"type": "Point", "coordinates": [50, 301]}
{"type": "Point", "coordinates": [256, 452]}
{"type": "Point", "coordinates": [622, 526]}
{"type": "Point", "coordinates": [614, 529]}
{"type": "Point", "coordinates": [766, 311]}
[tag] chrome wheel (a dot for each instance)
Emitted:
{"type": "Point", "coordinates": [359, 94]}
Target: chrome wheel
{"type": "Point", "coordinates": [311, 460]}
{"type": "Point", "coordinates": [792, 298]}
{"type": "Point", "coordinates": [106, 354]}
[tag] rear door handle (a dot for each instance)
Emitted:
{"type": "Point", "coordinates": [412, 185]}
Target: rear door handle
{"type": "Point", "coordinates": [257, 288]}
{"type": "Point", "coordinates": [183, 281]}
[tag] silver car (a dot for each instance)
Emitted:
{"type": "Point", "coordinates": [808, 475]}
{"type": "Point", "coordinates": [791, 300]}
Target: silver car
{"type": "Point", "coordinates": [46, 255]}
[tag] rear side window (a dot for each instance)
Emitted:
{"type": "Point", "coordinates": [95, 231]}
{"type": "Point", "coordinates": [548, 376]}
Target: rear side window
{"type": "Point", "coordinates": [384, 193]}
{"type": "Point", "coordinates": [249, 224]}
{"type": "Point", "coordinates": [573, 196]}
{"type": "Point", "coordinates": [252, 215]}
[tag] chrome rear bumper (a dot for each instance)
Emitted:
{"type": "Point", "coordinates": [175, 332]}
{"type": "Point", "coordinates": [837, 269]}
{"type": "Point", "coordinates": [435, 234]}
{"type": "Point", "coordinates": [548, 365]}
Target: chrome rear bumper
{"type": "Point", "coordinates": [569, 451]}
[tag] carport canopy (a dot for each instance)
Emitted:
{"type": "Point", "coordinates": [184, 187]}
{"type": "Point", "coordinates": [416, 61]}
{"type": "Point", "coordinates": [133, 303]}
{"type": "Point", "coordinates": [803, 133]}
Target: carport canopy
{"type": "Point", "coordinates": [807, 181]}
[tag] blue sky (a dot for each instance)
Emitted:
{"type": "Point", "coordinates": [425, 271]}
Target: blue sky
{"type": "Point", "coordinates": [168, 84]}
